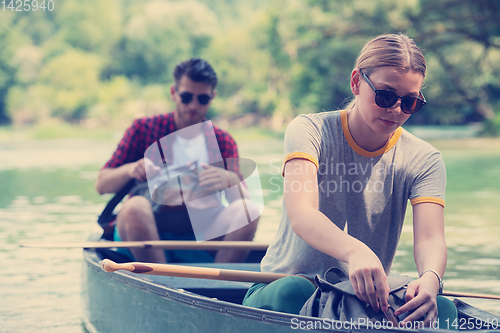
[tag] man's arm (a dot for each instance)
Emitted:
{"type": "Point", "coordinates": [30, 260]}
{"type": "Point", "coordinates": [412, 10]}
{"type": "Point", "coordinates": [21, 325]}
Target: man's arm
{"type": "Point", "coordinates": [125, 163]}
{"type": "Point", "coordinates": [430, 254]}
{"type": "Point", "coordinates": [233, 193]}
{"type": "Point", "coordinates": [111, 180]}
{"type": "Point", "coordinates": [233, 174]}
{"type": "Point", "coordinates": [218, 179]}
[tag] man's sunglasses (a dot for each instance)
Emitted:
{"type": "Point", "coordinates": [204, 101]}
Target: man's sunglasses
{"type": "Point", "coordinates": [387, 98]}
{"type": "Point", "coordinates": [187, 97]}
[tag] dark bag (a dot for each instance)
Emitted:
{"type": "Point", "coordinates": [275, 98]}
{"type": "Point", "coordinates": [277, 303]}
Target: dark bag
{"type": "Point", "coordinates": [337, 300]}
{"type": "Point", "coordinates": [107, 219]}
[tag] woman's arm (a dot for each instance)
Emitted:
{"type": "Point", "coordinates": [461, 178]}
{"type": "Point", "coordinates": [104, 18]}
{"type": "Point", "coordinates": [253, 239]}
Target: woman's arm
{"type": "Point", "coordinates": [301, 195]}
{"type": "Point", "coordinates": [430, 254]}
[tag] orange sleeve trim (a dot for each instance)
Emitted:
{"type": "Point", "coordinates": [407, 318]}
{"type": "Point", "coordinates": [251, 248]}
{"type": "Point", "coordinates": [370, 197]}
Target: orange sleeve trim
{"type": "Point", "coordinates": [427, 199]}
{"type": "Point", "coordinates": [304, 156]}
{"type": "Point", "coordinates": [360, 151]}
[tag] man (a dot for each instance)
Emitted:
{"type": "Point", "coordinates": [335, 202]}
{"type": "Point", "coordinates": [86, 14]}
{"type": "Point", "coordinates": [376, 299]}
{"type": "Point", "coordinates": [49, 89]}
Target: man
{"type": "Point", "coordinates": [140, 218]}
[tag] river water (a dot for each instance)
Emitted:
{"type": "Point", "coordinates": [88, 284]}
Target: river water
{"type": "Point", "coordinates": [47, 195]}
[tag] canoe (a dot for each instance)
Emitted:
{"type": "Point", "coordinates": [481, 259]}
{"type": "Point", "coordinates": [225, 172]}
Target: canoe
{"type": "Point", "coordinates": [128, 302]}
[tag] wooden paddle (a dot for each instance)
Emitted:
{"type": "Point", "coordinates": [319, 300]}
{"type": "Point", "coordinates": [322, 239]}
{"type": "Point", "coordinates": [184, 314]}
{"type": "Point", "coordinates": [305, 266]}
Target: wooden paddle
{"type": "Point", "coordinates": [169, 245]}
{"type": "Point", "coordinates": [464, 294]}
{"type": "Point", "coordinates": [226, 274]}
{"type": "Point", "coordinates": [191, 272]}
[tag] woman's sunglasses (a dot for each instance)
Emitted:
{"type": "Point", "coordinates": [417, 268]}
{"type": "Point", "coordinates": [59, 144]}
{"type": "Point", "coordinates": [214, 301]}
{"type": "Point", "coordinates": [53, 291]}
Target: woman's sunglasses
{"type": "Point", "coordinates": [187, 97]}
{"type": "Point", "coordinates": [387, 98]}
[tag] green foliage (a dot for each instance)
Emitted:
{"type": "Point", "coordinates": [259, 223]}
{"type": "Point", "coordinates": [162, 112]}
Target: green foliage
{"type": "Point", "coordinates": [492, 126]}
{"type": "Point", "coordinates": [67, 85]}
{"type": "Point", "coordinates": [105, 61]}
{"type": "Point", "coordinates": [160, 35]}
{"type": "Point", "coordinates": [10, 41]}
{"type": "Point", "coordinates": [460, 37]}
{"type": "Point", "coordinates": [92, 26]}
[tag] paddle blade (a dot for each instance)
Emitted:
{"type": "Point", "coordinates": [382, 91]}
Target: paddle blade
{"type": "Point", "coordinates": [111, 266]}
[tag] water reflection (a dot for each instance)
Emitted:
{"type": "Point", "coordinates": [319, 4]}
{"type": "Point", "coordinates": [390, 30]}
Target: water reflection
{"type": "Point", "coordinates": [39, 288]}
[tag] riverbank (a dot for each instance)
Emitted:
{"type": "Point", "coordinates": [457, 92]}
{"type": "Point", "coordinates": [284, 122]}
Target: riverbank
{"type": "Point", "coordinates": [242, 129]}
{"type": "Point", "coordinates": [56, 130]}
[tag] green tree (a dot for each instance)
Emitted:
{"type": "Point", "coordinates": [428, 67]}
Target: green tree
{"type": "Point", "coordinates": [463, 38]}
{"type": "Point", "coordinates": [460, 39]}
{"type": "Point", "coordinates": [161, 34]}
{"type": "Point", "coordinates": [67, 86]}
{"type": "Point", "coordinates": [279, 58]}
{"type": "Point", "coordinates": [10, 40]}
{"type": "Point", "coordinates": [91, 25]}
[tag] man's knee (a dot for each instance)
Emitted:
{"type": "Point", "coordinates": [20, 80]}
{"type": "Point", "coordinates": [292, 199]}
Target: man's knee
{"type": "Point", "coordinates": [135, 210]}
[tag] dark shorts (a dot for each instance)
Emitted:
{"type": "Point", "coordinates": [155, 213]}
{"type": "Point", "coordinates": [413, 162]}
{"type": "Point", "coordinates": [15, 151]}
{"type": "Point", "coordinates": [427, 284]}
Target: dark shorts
{"type": "Point", "coordinates": [176, 220]}
{"type": "Point", "coordinates": [174, 224]}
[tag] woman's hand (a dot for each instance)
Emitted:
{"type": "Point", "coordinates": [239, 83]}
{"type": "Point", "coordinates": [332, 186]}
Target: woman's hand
{"type": "Point", "coordinates": [421, 297]}
{"type": "Point", "coordinates": [368, 278]}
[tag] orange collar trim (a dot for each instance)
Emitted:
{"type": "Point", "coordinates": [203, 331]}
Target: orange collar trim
{"type": "Point", "coordinates": [361, 151]}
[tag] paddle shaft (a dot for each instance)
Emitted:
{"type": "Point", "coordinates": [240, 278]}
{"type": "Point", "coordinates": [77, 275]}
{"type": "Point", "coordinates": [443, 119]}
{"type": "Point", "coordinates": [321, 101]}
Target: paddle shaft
{"type": "Point", "coordinates": [473, 295]}
{"type": "Point", "coordinates": [191, 272]}
{"type": "Point", "coordinates": [168, 245]}
{"type": "Point", "coordinates": [226, 274]}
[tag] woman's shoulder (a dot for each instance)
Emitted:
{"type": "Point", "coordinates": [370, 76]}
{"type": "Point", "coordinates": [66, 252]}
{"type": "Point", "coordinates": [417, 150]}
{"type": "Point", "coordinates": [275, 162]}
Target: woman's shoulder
{"type": "Point", "coordinates": [416, 143]}
{"type": "Point", "coordinates": [418, 151]}
{"type": "Point", "coordinates": [315, 121]}
{"type": "Point", "coordinates": [320, 116]}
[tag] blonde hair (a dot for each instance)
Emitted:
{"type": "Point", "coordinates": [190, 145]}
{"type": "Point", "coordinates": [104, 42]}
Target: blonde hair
{"type": "Point", "coordinates": [394, 50]}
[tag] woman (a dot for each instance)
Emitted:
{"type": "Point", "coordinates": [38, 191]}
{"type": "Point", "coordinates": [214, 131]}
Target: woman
{"type": "Point", "coordinates": [347, 178]}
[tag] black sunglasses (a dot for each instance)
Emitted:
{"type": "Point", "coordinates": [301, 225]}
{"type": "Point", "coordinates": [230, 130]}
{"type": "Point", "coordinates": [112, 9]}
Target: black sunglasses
{"type": "Point", "coordinates": [187, 97]}
{"type": "Point", "coordinates": [387, 98]}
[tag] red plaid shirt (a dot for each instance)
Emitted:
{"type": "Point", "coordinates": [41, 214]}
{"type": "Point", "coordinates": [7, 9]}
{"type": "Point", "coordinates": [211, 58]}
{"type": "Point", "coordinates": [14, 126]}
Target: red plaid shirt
{"type": "Point", "coordinates": [146, 131]}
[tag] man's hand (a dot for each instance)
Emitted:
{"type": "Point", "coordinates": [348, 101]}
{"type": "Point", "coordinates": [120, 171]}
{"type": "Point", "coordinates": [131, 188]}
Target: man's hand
{"type": "Point", "coordinates": [213, 179]}
{"type": "Point", "coordinates": [142, 168]}
{"type": "Point", "coordinates": [210, 180]}
{"type": "Point", "coordinates": [421, 297]}
{"type": "Point", "coordinates": [368, 278]}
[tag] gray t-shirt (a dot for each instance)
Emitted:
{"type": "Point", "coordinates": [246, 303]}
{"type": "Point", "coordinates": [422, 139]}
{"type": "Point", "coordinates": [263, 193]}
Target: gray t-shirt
{"type": "Point", "coordinates": [364, 193]}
